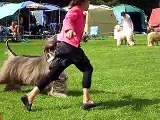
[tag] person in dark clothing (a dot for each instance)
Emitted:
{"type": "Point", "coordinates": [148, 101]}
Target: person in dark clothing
{"type": "Point", "coordinates": [24, 20]}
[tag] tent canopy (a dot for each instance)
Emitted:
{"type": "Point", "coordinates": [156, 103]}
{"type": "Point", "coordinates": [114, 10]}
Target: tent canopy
{"type": "Point", "coordinates": [11, 8]}
{"type": "Point", "coordinates": [36, 6]}
{"type": "Point", "coordinates": [3, 3]}
{"type": "Point", "coordinates": [24, 4]}
{"type": "Point", "coordinates": [101, 16]}
{"type": "Point", "coordinates": [15, 11]}
{"type": "Point", "coordinates": [51, 7]}
{"type": "Point", "coordinates": [137, 15]}
{"type": "Point", "coordinates": [155, 19]}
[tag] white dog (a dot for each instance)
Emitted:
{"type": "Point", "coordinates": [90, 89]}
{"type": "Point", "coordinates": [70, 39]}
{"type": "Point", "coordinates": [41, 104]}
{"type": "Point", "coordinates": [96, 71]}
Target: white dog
{"type": "Point", "coordinates": [153, 37]}
{"type": "Point", "coordinates": [122, 36]}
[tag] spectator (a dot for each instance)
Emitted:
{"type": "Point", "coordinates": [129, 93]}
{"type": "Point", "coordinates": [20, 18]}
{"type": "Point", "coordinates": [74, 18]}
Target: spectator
{"type": "Point", "coordinates": [14, 30]}
{"type": "Point", "coordinates": [24, 20]}
{"type": "Point", "coordinates": [1, 32]}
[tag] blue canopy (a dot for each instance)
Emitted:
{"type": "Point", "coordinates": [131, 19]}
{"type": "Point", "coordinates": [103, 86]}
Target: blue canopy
{"type": "Point", "coordinates": [24, 4]}
{"type": "Point", "coordinates": [9, 9]}
{"type": "Point", "coordinates": [33, 5]}
{"type": "Point", "coordinates": [52, 7]}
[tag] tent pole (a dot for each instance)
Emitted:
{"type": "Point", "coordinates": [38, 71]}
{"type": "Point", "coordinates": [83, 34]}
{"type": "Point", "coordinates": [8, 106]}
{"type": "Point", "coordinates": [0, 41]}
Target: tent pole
{"type": "Point", "coordinates": [51, 17]}
{"type": "Point", "coordinates": [6, 21]}
{"type": "Point", "coordinates": [29, 21]}
{"type": "Point", "coordinates": [59, 16]}
{"type": "Point", "coordinates": [43, 18]}
{"type": "Point", "coordinates": [6, 28]}
{"type": "Point", "coordinates": [18, 17]}
{"type": "Point", "coordinates": [19, 26]}
{"type": "Point", "coordinates": [59, 24]}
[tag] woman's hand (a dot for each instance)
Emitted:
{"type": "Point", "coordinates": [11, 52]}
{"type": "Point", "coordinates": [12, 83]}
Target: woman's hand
{"type": "Point", "coordinates": [84, 37]}
{"type": "Point", "coordinates": [70, 34]}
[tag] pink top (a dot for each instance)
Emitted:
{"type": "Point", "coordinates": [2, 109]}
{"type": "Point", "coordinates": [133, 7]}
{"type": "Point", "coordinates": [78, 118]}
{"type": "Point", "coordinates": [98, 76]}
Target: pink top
{"type": "Point", "coordinates": [74, 20]}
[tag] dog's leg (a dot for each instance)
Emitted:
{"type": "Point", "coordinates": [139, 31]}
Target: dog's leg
{"type": "Point", "coordinates": [156, 43]}
{"type": "Point", "coordinates": [150, 39]}
{"type": "Point", "coordinates": [56, 94]}
{"type": "Point", "coordinates": [58, 88]}
{"type": "Point", "coordinates": [132, 39]}
{"type": "Point", "coordinates": [12, 87]}
{"type": "Point", "coordinates": [125, 42]}
{"type": "Point", "coordinates": [149, 43]}
{"type": "Point", "coordinates": [130, 42]}
{"type": "Point", "coordinates": [118, 42]}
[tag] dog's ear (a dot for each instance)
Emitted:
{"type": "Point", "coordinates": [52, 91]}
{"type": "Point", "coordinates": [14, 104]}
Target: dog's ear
{"type": "Point", "coordinates": [50, 44]}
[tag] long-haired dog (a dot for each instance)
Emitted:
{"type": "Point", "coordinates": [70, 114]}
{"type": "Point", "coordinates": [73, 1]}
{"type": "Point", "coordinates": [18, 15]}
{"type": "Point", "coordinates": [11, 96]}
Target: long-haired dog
{"type": "Point", "coordinates": [153, 38]}
{"type": "Point", "coordinates": [28, 70]}
{"type": "Point", "coordinates": [123, 37]}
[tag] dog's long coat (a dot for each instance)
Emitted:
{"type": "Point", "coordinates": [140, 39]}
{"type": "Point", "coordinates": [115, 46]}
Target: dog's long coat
{"type": "Point", "coordinates": [28, 70]}
{"type": "Point", "coordinates": [122, 36]}
{"type": "Point", "coordinates": [153, 37]}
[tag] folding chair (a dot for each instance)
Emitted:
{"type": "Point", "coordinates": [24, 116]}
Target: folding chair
{"type": "Point", "coordinates": [1, 37]}
{"type": "Point", "coordinates": [1, 34]}
{"type": "Point", "coordinates": [6, 33]}
{"type": "Point", "coordinates": [94, 32]}
{"type": "Point", "coordinates": [53, 27]}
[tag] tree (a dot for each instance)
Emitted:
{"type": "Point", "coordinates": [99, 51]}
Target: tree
{"type": "Point", "coordinates": [146, 5]}
{"type": "Point", "coordinates": [56, 2]}
{"type": "Point", "coordinates": [97, 2]}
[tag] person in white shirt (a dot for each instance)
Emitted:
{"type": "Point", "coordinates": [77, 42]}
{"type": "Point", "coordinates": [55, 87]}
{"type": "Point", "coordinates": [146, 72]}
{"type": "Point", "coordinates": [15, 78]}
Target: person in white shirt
{"type": "Point", "coordinates": [126, 22]}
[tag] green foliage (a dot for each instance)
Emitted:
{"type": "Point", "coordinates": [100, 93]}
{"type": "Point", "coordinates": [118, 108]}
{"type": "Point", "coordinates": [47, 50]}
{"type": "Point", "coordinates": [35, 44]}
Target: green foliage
{"type": "Point", "coordinates": [97, 2]}
{"type": "Point", "coordinates": [125, 82]}
{"type": "Point", "coordinates": [146, 5]}
{"type": "Point", "coordinates": [13, 1]}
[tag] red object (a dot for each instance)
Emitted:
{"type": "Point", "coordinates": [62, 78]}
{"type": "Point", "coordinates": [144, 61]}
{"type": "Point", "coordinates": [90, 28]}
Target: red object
{"type": "Point", "coordinates": [0, 118]}
{"type": "Point", "coordinates": [155, 19]}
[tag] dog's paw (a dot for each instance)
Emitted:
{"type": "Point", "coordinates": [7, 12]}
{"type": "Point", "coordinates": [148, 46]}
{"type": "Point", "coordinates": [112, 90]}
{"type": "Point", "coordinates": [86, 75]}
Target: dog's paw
{"type": "Point", "coordinates": [58, 95]}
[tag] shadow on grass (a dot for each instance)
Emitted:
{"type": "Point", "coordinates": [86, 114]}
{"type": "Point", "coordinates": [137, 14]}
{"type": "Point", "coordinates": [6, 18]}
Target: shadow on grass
{"type": "Point", "coordinates": [126, 101]}
{"type": "Point", "coordinates": [70, 92]}
{"type": "Point", "coordinates": [79, 93]}
{"type": "Point", "coordinates": [75, 93]}
{"type": "Point", "coordinates": [134, 103]}
{"type": "Point", "coordinates": [145, 45]}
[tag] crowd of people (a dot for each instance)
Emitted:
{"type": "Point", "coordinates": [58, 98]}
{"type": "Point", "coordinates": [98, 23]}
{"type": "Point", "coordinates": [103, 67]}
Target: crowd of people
{"type": "Point", "coordinates": [24, 24]}
{"type": "Point", "coordinates": [13, 29]}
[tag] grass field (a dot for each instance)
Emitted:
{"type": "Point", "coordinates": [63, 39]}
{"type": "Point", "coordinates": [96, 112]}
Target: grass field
{"type": "Point", "coordinates": [126, 82]}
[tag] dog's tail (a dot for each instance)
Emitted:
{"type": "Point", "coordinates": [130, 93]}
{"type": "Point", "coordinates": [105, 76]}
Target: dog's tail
{"type": "Point", "coordinates": [10, 50]}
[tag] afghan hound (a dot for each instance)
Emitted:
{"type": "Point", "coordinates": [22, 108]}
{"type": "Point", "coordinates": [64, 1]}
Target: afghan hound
{"type": "Point", "coordinates": [153, 38]}
{"type": "Point", "coordinates": [20, 70]}
{"type": "Point", "coordinates": [123, 37]}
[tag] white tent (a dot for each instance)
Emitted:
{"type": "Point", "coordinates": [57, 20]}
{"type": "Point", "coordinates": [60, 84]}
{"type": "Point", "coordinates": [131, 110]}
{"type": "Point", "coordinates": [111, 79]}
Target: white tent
{"type": "Point", "coordinates": [101, 16]}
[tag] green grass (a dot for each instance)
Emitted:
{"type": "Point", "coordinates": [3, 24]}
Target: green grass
{"type": "Point", "coordinates": [126, 81]}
